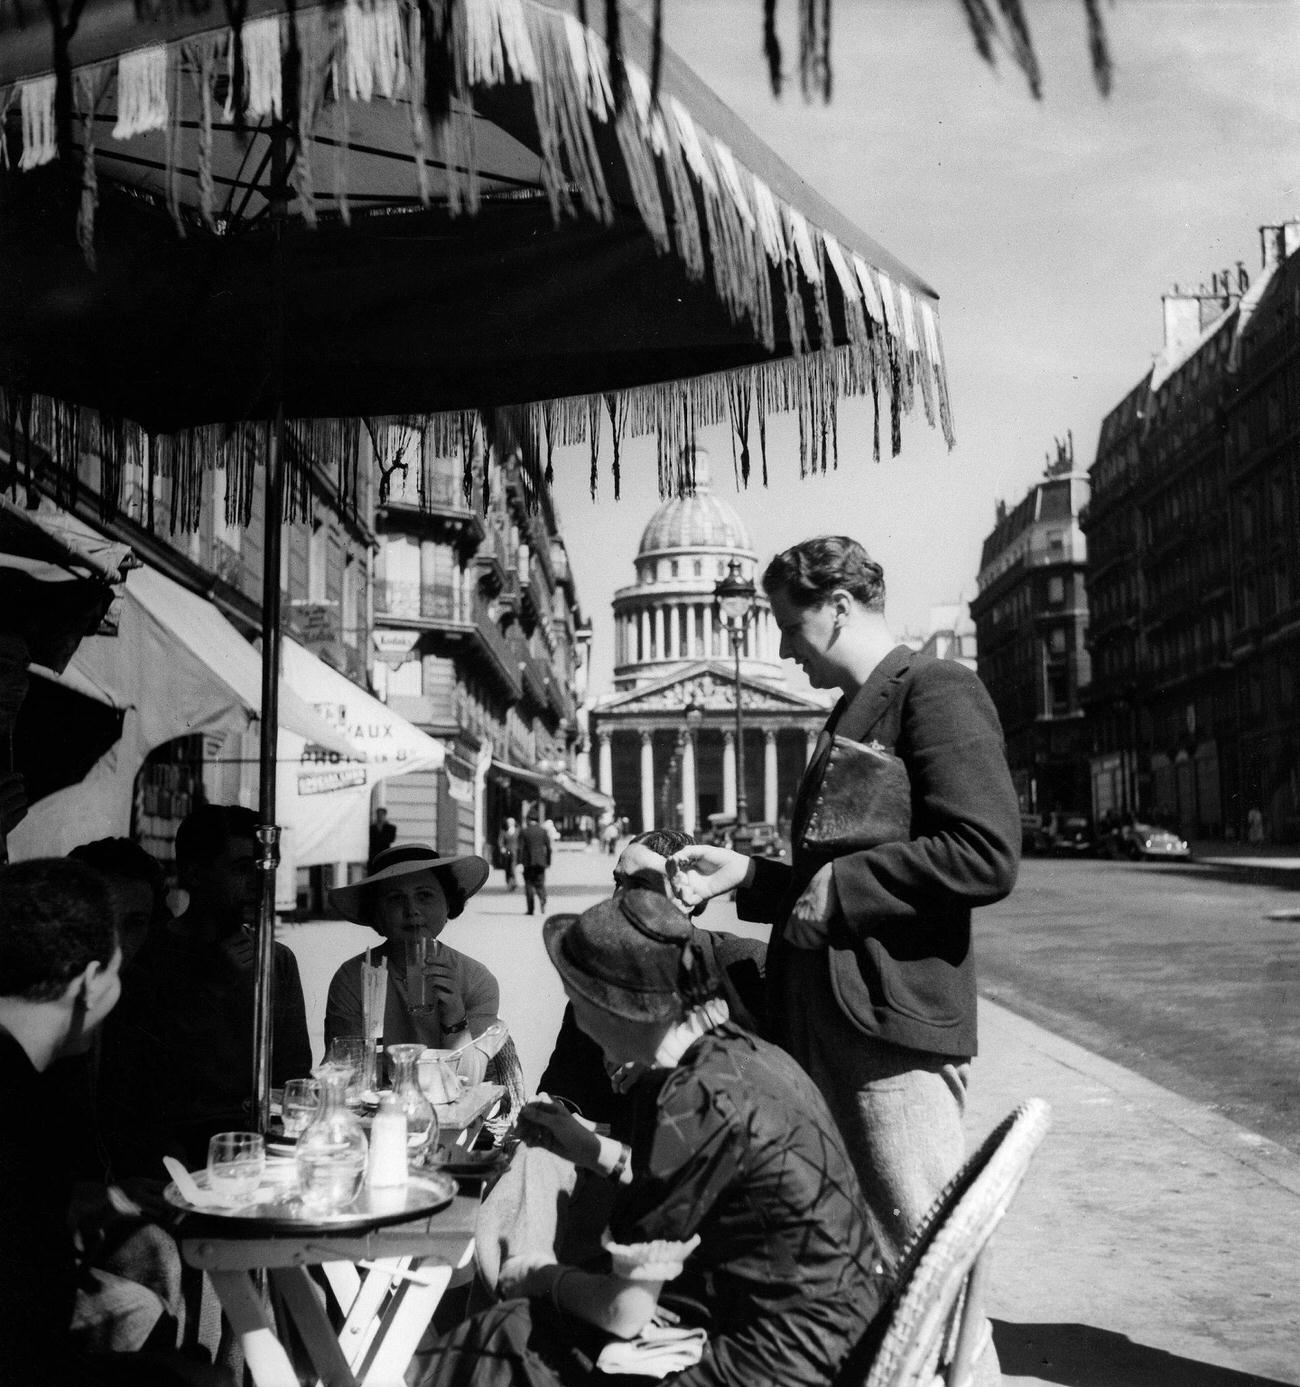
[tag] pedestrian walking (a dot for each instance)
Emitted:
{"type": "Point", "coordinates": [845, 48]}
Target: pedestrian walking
{"type": "Point", "coordinates": [508, 851]}
{"type": "Point", "coordinates": [534, 858]}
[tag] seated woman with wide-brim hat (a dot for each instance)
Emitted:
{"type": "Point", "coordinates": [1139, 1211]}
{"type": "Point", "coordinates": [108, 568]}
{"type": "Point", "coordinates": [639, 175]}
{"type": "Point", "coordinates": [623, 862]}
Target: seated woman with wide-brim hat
{"type": "Point", "coordinates": [737, 1209]}
{"type": "Point", "coordinates": [408, 893]}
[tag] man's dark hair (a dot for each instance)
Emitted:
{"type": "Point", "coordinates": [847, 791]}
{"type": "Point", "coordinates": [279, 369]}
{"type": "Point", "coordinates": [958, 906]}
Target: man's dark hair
{"type": "Point", "coordinates": [120, 857]}
{"type": "Point", "coordinates": [532, 816]}
{"type": "Point", "coordinates": [55, 920]}
{"type": "Point", "coordinates": [205, 831]}
{"type": "Point", "coordinates": [808, 572]}
{"type": "Point", "coordinates": [664, 841]}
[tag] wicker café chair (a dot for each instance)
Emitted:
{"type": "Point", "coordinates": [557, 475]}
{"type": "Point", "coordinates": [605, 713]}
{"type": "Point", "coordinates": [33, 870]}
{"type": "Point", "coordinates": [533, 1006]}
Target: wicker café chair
{"type": "Point", "coordinates": [934, 1331]}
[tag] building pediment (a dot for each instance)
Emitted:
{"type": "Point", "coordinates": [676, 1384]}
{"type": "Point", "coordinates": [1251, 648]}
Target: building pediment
{"type": "Point", "coordinates": [712, 685]}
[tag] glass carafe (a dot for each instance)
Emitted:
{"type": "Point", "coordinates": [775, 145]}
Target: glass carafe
{"type": "Point", "coordinates": [421, 1120]}
{"type": "Point", "coordinates": [331, 1152]}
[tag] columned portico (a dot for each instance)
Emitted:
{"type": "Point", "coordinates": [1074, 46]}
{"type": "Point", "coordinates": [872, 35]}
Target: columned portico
{"type": "Point", "coordinates": [669, 767]}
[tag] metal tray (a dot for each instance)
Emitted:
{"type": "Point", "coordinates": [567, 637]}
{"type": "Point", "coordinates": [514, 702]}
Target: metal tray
{"type": "Point", "coordinates": [277, 1208]}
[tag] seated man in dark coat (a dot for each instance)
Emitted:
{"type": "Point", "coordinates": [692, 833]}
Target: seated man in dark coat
{"type": "Point", "coordinates": [59, 979]}
{"type": "Point", "coordinates": [179, 1064]}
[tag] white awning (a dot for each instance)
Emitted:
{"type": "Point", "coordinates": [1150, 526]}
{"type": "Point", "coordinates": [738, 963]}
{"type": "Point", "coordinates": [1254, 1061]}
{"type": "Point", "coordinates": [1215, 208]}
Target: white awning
{"type": "Point", "coordinates": [324, 798]}
{"type": "Point", "coordinates": [213, 643]}
{"type": "Point", "coordinates": [176, 666]}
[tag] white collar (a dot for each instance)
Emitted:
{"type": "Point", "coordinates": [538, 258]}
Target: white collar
{"type": "Point", "coordinates": [697, 1022]}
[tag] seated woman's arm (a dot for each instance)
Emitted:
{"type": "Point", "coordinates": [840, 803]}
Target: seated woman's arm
{"type": "Point", "coordinates": [619, 1305]}
{"type": "Point", "coordinates": [482, 998]}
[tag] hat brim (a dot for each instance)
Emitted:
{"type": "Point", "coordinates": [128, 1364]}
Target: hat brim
{"type": "Point", "coordinates": [467, 874]}
{"type": "Point", "coordinates": [621, 1001]}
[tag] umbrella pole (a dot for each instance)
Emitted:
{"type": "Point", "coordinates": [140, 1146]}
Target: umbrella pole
{"type": "Point", "coordinates": [269, 831]}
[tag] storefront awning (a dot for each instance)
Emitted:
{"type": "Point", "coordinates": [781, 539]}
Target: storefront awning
{"type": "Point", "coordinates": [55, 589]}
{"type": "Point", "coordinates": [585, 794]}
{"type": "Point", "coordinates": [175, 667]}
{"type": "Point", "coordinates": [200, 631]}
{"type": "Point", "coordinates": [545, 786]}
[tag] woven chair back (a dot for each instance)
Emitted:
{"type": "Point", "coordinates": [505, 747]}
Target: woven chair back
{"type": "Point", "coordinates": [928, 1338]}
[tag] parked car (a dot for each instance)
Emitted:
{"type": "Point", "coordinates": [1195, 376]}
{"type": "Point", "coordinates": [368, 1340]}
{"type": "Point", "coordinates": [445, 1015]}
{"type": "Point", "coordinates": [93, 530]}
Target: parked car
{"type": "Point", "coordinates": [1070, 835]}
{"type": "Point", "coordinates": [1142, 841]}
{"type": "Point", "coordinates": [764, 839]}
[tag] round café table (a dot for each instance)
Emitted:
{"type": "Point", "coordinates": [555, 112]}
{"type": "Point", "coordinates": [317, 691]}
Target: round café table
{"type": "Point", "coordinates": [387, 1260]}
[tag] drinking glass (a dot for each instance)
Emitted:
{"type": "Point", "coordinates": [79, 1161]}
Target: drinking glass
{"type": "Point", "coordinates": [353, 1051]}
{"type": "Point", "coordinates": [420, 992]}
{"type": "Point", "coordinates": [299, 1104]}
{"type": "Point", "coordinates": [236, 1161]}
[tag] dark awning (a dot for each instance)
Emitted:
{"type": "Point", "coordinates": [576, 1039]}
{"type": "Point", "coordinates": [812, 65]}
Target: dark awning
{"type": "Point", "coordinates": [545, 786]}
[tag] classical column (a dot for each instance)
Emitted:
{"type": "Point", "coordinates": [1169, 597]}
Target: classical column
{"type": "Point", "coordinates": [674, 619]}
{"type": "Point", "coordinates": [689, 801]}
{"type": "Point", "coordinates": [606, 771]}
{"type": "Point", "coordinates": [647, 781]}
{"type": "Point", "coordinates": [728, 772]}
{"type": "Point", "coordinates": [809, 744]}
{"type": "Point", "coordinates": [688, 615]}
{"type": "Point", "coordinates": [657, 646]}
{"type": "Point", "coordinates": [643, 632]}
{"type": "Point", "coordinates": [769, 775]}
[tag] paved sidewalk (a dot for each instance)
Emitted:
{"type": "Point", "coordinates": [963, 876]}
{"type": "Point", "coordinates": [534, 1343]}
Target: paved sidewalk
{"type": "Point", "coordinates": [1153, 1243]}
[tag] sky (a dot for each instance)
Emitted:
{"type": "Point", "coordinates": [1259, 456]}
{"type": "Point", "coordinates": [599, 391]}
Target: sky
{"type": "Point", "coordinates": [1050, 230]}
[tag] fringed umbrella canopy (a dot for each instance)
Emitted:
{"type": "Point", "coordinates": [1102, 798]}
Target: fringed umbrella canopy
{"type": "Point", "coordinates": [475, 222]}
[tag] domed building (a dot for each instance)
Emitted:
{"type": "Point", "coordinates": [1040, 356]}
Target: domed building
{"type": "Point", "coordinates": [665, 739]}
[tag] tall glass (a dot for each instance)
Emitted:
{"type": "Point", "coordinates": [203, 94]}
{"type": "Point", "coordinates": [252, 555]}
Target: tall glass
{"type": "Point", "coordinates": [331, 1152]}
{"type": "Point", "coordinates": [236, 1161]}
{"type": "Point", "coordinates": [354, 1053]}
{"type": "Point", "coordinates": [421, 995]}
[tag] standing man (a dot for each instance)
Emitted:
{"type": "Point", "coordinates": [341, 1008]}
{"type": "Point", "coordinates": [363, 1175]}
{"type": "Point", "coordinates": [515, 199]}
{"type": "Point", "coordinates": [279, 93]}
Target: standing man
{"type": "Point", "coordinates": [905, 820]}
{"type": "Point", "coordinates": [382, 834]}
{"type": "Point", "coordinates": [187, 1012]}
{"type": "Point", "coordinates": [535, 858]}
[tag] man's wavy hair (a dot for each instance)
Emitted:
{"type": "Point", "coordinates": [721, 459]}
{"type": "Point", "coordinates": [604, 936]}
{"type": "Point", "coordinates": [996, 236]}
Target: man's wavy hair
{"type": "Point", "coordinates": [808, 572]}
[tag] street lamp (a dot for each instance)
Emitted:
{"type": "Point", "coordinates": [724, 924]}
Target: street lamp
{"type": "Point", "coordinates": [733, 596]}
{"type": "Point", "coordinates": [694, 716]}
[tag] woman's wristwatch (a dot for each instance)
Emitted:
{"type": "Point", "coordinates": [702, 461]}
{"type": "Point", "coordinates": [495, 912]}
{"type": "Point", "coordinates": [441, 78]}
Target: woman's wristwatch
{"type": "Point", "coordinates": [621, 1164]}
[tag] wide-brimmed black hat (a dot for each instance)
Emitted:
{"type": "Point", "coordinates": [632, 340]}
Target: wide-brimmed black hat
{"type": "Point", "coordinates": [459, 877]}
{"type": "Point", "coordinates": [634, 955]}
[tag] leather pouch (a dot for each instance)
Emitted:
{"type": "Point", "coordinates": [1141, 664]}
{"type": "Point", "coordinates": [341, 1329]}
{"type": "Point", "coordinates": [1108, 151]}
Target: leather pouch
{"type": "Point", "coordinates": [865, 799]}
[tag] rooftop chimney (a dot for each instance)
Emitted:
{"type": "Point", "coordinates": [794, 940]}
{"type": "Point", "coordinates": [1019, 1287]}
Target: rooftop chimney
{"type": "Point", "coordinates": [1270, 246]}
{"type": "Point", "coordinates": [1182, 321]}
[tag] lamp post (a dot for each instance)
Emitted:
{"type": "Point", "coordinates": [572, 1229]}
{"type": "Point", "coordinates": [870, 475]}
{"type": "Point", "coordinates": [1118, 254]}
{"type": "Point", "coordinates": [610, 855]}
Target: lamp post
{"type": "Point", "coordinates": [733, 596]}
{"type": "Point", "coordinates": [694, 716]}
